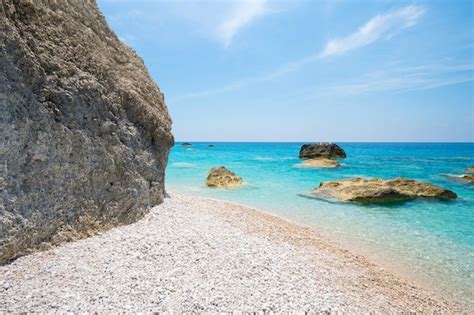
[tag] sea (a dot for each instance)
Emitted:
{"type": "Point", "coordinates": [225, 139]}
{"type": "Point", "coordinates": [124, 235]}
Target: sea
{"type": "Point", "coordinates": [429, 241]}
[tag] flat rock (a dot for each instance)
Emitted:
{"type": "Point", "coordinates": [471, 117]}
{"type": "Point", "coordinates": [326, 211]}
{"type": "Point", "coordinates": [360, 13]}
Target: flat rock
{"type": "Point", "coordinates": [320, 163]}
{"type": "Point", "coordinates": [85, 130]}
{"type": "Point", "coordinates": [468, 178]}
{"type": "Point", "coordinates": [470, 169]}
{"type": "Point", "coordinates": [321, 150]}
{"type": "Point", "coordinates": [380, 191]}
{"type": "Point", "coordinates": [221, 177]}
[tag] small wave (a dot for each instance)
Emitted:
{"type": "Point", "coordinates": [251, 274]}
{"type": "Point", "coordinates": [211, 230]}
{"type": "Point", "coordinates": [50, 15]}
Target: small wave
{"type": "Point", "coordinates": [182, 165]}
{"type": "Point", "coordinates": [453, 175]}
{"type": "Point", "coordinates": [263, 158]}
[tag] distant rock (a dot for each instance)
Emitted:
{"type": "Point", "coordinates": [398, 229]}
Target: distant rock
{"type": "Point", "coordinates": [470, 169]}
{"type": "Point", "coordinates": [468, 178]}
{"type": "Point", "coordinates": [186, 144]}
{"type": "Point", "coordinates": [320, 163]}
{"type": "Point", "coordinates": [380, 191]}
{"type": "Point", "coordinates": [221, 177]}
{"type": "Point", "coordinates": [321, 150]}
{"type": "Point", "coordinates": [210, 145]}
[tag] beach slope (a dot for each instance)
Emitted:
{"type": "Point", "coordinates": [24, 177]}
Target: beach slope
{"type": "Point", "coordinates": [197, 254]}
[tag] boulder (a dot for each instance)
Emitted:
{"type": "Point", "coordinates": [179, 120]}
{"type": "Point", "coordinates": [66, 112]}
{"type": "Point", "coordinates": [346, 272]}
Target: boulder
{"type": "Point", "coordinates": [320, 163]}
{"type": "Point", "coordinates": [85, 132]}
{"type": "Point", "coordinates": [221, 177]}
{"type": "Point", "coordinates": [380, 191]}
{"type": "Point", "coordinates": [186, 144]}
{"type": "Point", "coordinates": [321, 150]}
{"type": "Point", "coordinates": [468, 178]}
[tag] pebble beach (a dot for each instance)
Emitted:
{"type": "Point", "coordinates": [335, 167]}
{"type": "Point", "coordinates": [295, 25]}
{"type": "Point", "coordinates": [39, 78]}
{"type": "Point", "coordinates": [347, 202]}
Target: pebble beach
{"type": "Point", "coordinates": [199, 254]}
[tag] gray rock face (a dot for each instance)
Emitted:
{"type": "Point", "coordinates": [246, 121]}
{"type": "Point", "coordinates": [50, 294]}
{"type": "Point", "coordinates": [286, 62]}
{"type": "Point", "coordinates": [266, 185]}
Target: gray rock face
{"type": "Point", "coordinates": [85, 132]}
{"type": "Point", "coordinates": [376, 190]}
{"type": "Point", "coordinates": [321, 150]}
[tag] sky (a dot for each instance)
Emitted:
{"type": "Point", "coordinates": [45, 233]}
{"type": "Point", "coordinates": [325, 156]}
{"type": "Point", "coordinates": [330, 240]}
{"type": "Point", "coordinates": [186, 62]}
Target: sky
{"type": "Point", "coordinates": [262, 70]}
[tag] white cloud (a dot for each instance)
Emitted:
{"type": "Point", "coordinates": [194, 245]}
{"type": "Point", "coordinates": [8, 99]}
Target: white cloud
{"type": "Point", "coordinates": [379, 27]}
{"type": "Point", "coordinates": [243, 13]}
{"type": "Point", "coordinates": [382, 26]}
{"type": "Point", "coordinates": [399, 78]}
{"type": "Point", "coordinates": [395, 78]}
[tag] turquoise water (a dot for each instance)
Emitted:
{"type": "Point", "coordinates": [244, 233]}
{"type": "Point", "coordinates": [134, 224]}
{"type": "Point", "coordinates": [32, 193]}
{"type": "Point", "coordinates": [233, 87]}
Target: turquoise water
{"type": "Point", "coordinates": [431, 241]}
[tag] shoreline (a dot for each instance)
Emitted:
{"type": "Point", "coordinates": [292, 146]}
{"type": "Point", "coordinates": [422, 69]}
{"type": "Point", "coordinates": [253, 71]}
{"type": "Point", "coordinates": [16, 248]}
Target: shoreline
{"type": "Point", "coordinates": [195, 254]}
{"type": "Point", "coordinates": [343, 242]}
{"type": "Point", "coordinates": [300, 234]}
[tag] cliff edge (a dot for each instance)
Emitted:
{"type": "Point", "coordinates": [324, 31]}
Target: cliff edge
{"type": "Point", "coordinates": [85, 132]}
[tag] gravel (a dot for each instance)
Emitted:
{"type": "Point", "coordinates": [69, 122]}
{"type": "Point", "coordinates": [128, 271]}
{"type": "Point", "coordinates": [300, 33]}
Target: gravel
{"type": "Point", "coordinates": [197, 254]}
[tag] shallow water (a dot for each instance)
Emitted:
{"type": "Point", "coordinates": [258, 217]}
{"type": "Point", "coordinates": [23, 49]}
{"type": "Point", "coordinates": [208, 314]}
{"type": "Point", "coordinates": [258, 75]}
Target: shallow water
{"type": "Point", "coordinates": [430, 240]}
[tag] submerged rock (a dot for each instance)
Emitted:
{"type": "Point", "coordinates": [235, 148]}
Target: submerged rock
{"type": "Point", "coordinates": [186, 144]}
{"type": "Point", "coordinates": [470, 169]}
{"type": "Point", "coordinates": [221, 177]}
{"type": "Point", "coordinates": [85, 130]}
{"type": "Point", "coordinates": [321, 150]}
{"type": "Point", "coordinates": [468, 178]}
{"type": "Point", "coordinates": [320, 163]}
{"type": "Point", "coordinates": [210, 145]}
{"type": "Point", "coordinates": [380, 191]}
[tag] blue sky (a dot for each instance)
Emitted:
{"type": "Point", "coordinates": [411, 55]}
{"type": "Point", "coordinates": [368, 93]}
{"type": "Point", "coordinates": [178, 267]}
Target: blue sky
{"type": "Point", "coordinates": [307, 70]}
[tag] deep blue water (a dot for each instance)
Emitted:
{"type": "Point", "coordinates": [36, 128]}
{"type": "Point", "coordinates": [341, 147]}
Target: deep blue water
{"type": "Point", "coordinates": [430, 240]}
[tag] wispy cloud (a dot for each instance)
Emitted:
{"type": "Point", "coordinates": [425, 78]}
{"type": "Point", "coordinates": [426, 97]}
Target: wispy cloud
{"type": "Point", "coordinates": [395, 78]}
{"type": "Point", "coordinates": [400, 79]}
{"type": "Point", "coordinates": [379, 27]}
{"type": "Point", "coordinates": [382, 26]}
{"type": "Point", "coordinates": [243, 13]}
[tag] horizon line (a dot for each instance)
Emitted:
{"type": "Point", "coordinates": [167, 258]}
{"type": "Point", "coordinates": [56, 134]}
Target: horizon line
{"type": "Point", "coordinates": [220, 141]}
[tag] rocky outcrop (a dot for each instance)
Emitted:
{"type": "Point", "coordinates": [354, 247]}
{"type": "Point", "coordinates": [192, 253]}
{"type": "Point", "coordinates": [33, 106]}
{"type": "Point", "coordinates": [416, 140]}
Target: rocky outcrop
{"type": "Point", "coordinates": [85, 132]}
{"type": "Point", "coordinates": [221, 177]}
{"type": "Point", "coordinates": [468, 178]}
{"type": "Point", "coordinates": [321, 150]}
{"type": "Point", "coordinates": [470, 169]}
{"type": "Point", "coordinates": [380, 191]}
{"type": "Point", "coordinates": [186, 144]}
{"type": "Point", "coordinates": [320, 163]}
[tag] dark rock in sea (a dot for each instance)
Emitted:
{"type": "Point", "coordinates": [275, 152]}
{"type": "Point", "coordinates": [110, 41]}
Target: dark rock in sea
{"type": "Point", "coordinates": [210, 145]}
{"type": "Point", "coordinates": [380, 191]}
{"type": "Point", "coordinates": [321, 150]}
{"type": "Point", "coordinates": [186, 144]}
{"type": "Point", "coordinates": [85, 130]}
{"type": "Point", "coordinates": [221, 177]}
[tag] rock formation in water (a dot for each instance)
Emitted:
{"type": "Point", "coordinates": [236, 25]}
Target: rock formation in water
{"type": "Point", "coordinates": [186, 144]}
{"type": "Point", "coordinates": [85, 132]}
{"type": "Point", "coordinates": [468, 178]}
{"type": "Point", "coordinates": [221, 177]}
{"type": "Point", "coordinates": [470, 169]}
{"type": "Point", "coordinates": [380, 191]}
{"type": "Point", "coordinates": [320, 163]}
{"type": "Point", "coordinates": [321, 150]}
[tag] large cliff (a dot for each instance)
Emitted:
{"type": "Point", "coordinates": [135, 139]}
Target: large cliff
{"type": "Point", "coordinates": [84, 130]}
